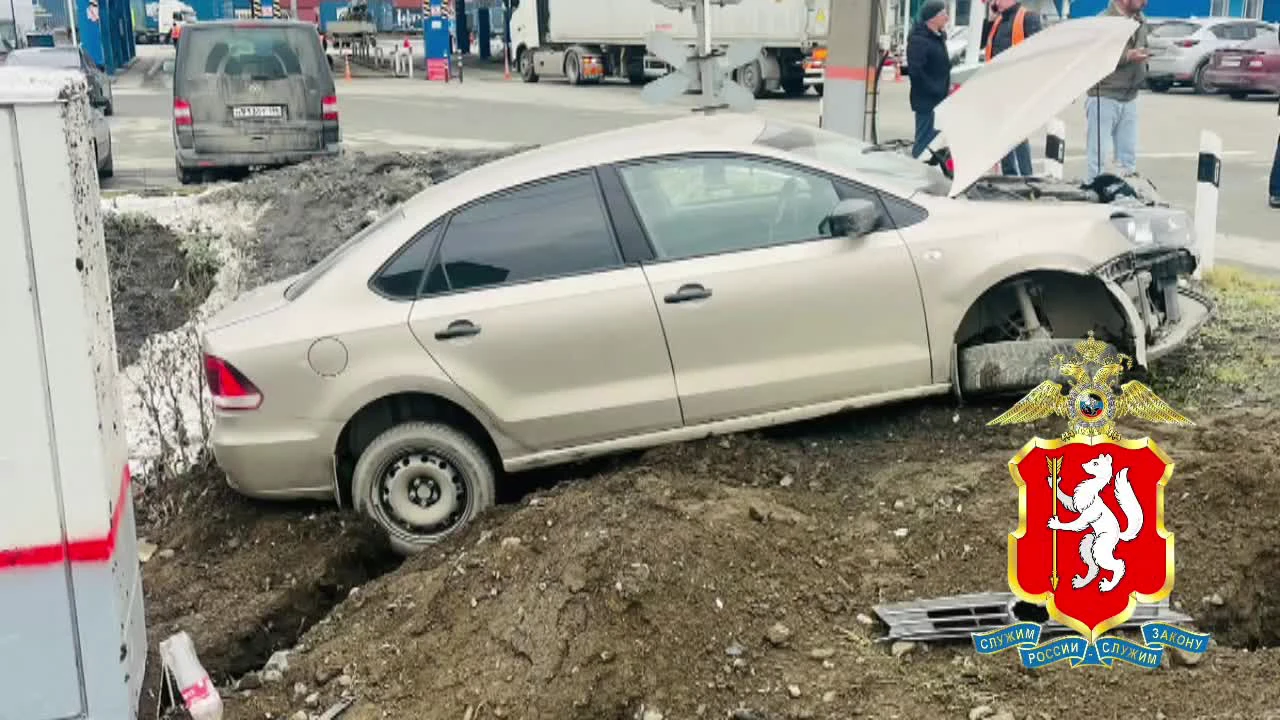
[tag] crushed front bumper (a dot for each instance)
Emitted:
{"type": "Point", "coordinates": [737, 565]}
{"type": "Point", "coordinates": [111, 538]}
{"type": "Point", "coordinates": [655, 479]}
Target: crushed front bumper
{"type": "Point", "coordinates": [959, 616]}
{"type": "Point", "coordinates": [1162, 306]}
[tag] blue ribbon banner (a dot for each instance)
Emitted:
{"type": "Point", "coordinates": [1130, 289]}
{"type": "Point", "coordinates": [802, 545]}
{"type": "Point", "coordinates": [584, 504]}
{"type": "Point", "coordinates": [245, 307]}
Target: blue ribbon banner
{"type": "Point", "coordinates": [1079, 651]}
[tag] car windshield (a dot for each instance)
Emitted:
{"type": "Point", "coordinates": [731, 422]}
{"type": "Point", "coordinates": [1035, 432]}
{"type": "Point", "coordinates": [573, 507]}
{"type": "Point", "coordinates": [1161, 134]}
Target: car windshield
{"type": "Point", "coordinates": [1173, 30]}
{"type": "Point", "coordinates": [887, 163]}
{"type": "Point", "coordinates": [252, 51]}
{"type": "Point", "coordinates": [315, 272]}
{"type": "Point", "coordinates": [45, 58]}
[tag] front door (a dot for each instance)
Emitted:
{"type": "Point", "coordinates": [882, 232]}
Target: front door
{"type": "Point", "coordinates": [762, 309]}
{"type": "Point", "coordinates": [531, 311]}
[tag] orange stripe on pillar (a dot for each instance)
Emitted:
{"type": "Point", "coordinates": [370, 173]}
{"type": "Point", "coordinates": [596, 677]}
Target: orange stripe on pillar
{"type": "Point", "coordinates": [837, 72]}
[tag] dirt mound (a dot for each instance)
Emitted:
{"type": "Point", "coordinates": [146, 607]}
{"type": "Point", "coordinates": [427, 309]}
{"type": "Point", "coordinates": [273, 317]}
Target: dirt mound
{"type": "Point", "coordinates": [658, 588]}
{"type": "Point", "coordinates": [156, 280]}
{"type": "Point", "coordinates": [317, 205]}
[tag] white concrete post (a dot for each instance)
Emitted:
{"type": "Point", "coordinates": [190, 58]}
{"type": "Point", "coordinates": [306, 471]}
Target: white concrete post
{"type": "Point", "coordinates": [977, 14]}
{"type": "Point", "coordinates": [71, 617]}
{"type": "Point", "coordinates": [1208, 179]}
{"type": "Point", "coordinates": [1055, 148]}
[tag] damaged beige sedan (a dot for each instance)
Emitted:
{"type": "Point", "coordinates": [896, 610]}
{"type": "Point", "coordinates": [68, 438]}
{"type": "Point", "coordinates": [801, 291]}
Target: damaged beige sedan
{"type": "Point", "coordinates": [657, 284]}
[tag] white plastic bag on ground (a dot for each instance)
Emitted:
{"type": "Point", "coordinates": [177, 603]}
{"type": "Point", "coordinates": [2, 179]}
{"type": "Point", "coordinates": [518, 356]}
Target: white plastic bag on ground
{"type": "Point", "coordinates": [199, 696]}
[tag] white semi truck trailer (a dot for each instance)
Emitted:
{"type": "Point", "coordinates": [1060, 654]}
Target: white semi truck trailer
{"type": "Point", "coordinates": [586, 41]}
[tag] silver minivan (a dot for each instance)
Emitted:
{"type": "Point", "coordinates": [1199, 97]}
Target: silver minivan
{"type": "Point", "coordinates": [251, 93]}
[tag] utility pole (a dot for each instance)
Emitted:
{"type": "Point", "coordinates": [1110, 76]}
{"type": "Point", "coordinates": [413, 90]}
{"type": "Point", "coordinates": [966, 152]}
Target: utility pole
{"type": "Point", "coordinates": [852, 61]}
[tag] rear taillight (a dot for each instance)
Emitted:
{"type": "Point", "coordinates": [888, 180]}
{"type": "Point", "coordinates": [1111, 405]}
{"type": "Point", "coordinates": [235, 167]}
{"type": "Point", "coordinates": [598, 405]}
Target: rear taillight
{"type": "Point", "coordinates": [1186, 43]}
{"type": "Point", "coordinates": [329, 108]}
{"type": "Point", "coordinates": [1255, 63]}
{"type": "Point", "coordinates": [181, 112]}
{"type": "Point", "coordinates": [230, 389]}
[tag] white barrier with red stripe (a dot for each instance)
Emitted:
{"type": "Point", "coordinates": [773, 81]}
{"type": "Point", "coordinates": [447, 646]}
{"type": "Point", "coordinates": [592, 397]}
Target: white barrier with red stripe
{"type": "Point", "coordinates": [70, 588]}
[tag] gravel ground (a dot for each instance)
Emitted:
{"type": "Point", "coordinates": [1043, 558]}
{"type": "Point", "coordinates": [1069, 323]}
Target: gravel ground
{"type": "Point", "coordinates": [729, 575]}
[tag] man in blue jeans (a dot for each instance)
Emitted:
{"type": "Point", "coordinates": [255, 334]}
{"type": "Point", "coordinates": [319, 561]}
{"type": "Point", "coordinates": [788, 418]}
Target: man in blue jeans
{"type": "Point", "coordinates": [1111, 107]}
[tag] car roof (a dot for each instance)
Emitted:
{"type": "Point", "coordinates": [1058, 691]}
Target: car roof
{"type": "Point", "coordinates": [201, 24]}
{"type": "Point", "coordinates": [699, 132]}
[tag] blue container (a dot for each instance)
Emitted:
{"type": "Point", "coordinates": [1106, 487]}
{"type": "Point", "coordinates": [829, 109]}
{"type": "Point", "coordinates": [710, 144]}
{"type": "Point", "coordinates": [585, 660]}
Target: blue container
{"type": "Point", "coordinates": [212, 9]}
{"type": "Point", "coordinates": [329, 13]}
{"type": "Point", "coordinates": [382, 15]}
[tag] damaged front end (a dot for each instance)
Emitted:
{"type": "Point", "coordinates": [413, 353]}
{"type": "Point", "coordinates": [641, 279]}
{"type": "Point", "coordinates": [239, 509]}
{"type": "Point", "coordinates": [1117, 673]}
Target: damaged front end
{"type": "Point", "coordinates": [1153, 281]}
{"type": "Point", "coordinates": [959, 616]}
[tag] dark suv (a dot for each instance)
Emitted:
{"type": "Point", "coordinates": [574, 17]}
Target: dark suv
{"type": "Point", "coordinates": [254, 93]}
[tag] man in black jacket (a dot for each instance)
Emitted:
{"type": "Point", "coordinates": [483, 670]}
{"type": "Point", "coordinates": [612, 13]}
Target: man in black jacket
{"type": "Point", "coordinates": [929, 68]}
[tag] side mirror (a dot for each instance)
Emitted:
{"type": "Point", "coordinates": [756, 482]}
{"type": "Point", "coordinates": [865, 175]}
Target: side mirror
{"type": "Point", "coordinates": [854, 217]}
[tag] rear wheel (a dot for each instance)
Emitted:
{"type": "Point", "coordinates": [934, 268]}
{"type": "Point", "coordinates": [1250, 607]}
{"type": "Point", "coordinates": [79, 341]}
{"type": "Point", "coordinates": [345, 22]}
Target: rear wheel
{"type": "Point", "coordinates": [1160, 86]}
{"type": "Point", "coordinates": [1199, 83]}
{"type": "Point", "coordinates": [1237, 95]}
{"type": "Point", "coordinates": [422, 482]}
{"type": "Point", "coordinates": [186, 176]}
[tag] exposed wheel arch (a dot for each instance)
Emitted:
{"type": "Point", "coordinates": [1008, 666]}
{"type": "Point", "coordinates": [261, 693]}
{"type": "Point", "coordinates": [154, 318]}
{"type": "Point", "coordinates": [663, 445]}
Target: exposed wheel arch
{"type": "Point", "coordinates": [390, 410]}
{"type": "Point", "coordinates": [1067, 306]}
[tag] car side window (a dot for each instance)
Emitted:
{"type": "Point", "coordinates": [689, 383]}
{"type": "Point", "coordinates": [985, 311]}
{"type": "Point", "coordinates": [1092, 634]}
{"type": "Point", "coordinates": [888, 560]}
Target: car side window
{"type": "Point", "coordinates": [1222, 32]}
{"type": "Point", "coordinates": [545, 230]}
{"type": "Point", "coordinates": [401, 278]}
{"type": "Point", "coordinates": [695, 206]}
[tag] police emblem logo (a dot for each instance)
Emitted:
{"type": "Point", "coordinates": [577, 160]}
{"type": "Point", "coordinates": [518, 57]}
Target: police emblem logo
{"type": "Point", "coordinates": [1091, 541]}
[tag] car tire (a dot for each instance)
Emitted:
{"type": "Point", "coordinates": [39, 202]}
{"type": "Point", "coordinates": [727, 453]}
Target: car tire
{"type": "Point", "coordinates": [408, 454]}
{"type": "Point", "coordinates": [1011, 367]}
{"type": "Point", "coordinates": [1238, 95]}
{"type": "Point", "coordinates": [186, 176]}
{"type": "Point", "coordinates": [1199, 84]}
{"type": "Point", "coordinates": [1160, 86]}
{"type": "Point", "coordinates": [108, 169]}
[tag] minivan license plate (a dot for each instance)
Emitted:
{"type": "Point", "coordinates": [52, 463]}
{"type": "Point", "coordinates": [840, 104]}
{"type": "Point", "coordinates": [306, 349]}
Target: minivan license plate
{"type": "Point", "coordinates": [1230, 62]}
{"type": "Point", "coordinates": [242, 112]}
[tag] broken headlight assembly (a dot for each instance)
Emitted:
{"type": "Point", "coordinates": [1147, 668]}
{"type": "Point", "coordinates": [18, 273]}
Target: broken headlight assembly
{"type": "Point", "coordinates": [1155, 227]}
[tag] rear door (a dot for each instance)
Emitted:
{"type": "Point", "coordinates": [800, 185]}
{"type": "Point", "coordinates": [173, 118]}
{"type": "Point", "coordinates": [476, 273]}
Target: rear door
{"type": "Point", "coordinates": [253, 87]}
{"type": "Point", "coordinates": [531, 310]}
{"type": "Point", "coordinates": [762, 309]}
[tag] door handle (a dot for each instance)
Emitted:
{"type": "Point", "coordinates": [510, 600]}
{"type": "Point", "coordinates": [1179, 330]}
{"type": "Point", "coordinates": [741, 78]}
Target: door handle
{"type": "Point", "coordinates": [687, 293]}
{"type": "Point", "coordinates": [457, 329]}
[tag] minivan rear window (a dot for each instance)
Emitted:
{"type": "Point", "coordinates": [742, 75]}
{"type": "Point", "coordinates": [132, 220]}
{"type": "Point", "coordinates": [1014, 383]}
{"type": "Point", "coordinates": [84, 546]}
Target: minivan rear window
{"type": "Point", "coordinates": [252, 52]}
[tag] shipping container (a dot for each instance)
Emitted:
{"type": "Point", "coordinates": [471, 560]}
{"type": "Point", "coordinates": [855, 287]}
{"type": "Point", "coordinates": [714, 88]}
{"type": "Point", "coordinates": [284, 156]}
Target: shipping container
{"type": "Point", "coordinates": [212, 9]}
{"type": "Point", "coordinates": [381, 14]}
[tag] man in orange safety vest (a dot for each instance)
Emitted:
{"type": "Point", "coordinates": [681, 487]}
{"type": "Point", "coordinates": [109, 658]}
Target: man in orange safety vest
{"type": "Point", "coordinates": [1009, 24]}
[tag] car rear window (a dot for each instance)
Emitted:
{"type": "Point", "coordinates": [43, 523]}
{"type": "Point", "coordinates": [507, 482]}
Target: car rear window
{"type": "Point", "coordinates": [260, 52]}
{"type": "Point", "coordinates": [1268, 41]}
{"type": "Point", "coordinates": [1174, 29]}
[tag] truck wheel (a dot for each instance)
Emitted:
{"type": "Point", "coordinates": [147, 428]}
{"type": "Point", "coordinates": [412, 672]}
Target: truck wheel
{"type": "Point", "coordinates": [422, 482]}
{"type": "Point", "coordinates": [751, 77]}
{"type": "Point", "coordinates": [573, 68]}
{"type": "Point", "coordinates": [525, 61]}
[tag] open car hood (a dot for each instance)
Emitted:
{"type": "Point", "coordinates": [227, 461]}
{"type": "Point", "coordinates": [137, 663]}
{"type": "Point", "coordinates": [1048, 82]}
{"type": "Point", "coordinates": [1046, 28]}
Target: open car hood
{"type": "Point", "coordinates": [1022, 88]}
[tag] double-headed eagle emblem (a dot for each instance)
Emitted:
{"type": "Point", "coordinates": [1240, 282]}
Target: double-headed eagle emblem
{"type": "Point", "coordinates": [1091, 406]}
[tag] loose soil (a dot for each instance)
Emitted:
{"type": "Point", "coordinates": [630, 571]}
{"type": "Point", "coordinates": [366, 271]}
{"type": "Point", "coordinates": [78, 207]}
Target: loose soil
{"type": "Point", "coordinates": [155, 283]}
{"type": "Point", "coordinates": [652, 585]}
{"type": "Point", "coordinates": [315, 206]}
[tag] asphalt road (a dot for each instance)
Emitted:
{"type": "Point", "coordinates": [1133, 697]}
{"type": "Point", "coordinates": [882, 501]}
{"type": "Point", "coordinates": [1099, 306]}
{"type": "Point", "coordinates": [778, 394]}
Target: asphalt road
{"type": "Point", "coordinates": [486, 110]}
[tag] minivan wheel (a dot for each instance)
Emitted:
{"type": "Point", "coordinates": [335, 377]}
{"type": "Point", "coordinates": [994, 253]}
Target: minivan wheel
{"type": "Point", "coordinates": [422, 482]}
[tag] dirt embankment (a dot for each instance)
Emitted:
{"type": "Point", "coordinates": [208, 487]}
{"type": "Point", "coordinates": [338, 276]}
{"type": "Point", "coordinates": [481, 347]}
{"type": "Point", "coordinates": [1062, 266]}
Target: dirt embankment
{"type": "Point", "coordinates": [732, 576]}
